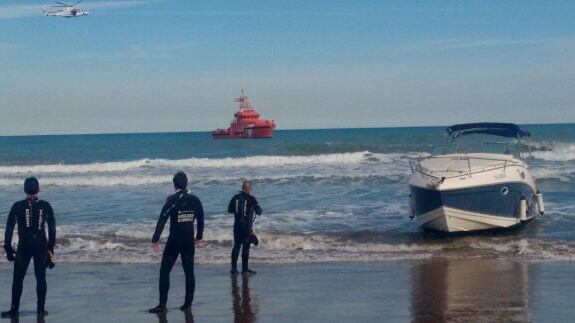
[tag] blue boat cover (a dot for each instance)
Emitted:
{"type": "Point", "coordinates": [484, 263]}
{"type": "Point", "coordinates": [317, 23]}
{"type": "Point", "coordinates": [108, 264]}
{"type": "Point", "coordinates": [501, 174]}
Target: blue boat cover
{"type": "Point", "coordinates": [490, 128]}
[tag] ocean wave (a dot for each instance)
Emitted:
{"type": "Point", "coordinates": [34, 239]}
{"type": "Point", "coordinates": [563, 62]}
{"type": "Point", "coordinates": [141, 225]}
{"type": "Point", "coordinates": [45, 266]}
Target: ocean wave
{"type": "Point", "coordinates": [75, 168]}
{"type": "Point", "coordinates": [337, 167]}
{"type": "Point", "coordinates": [561, 173]}
{"type": "Point", "coordinates": [109, 180]}
{"type": "Point", "coordinates": [198, 163]}
{"type": "Point", "coordinates": [142, 180]}
{"type": "Point", "coordinates": [122, 243]}
{"type": "Point", "coordinates": [558, 152]}
{"type": "Point", "coordinates": [527, 249]}
{"type": "Point", "coordinates": [536, 145]}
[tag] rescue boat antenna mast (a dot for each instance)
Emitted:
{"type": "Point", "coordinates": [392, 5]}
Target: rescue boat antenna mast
{"type": "Point", "coordinates": [244, 102]}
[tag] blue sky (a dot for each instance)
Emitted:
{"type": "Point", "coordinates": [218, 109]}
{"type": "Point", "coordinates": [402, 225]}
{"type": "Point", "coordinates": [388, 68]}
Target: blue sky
{"type": "Point", "coordinates": [148, 66]}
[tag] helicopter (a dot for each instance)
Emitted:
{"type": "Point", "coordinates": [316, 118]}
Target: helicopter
{"type": "Point", "coordinates": [68, 11]}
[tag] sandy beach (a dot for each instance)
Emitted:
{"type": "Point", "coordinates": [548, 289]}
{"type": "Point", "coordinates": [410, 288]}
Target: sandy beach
{"type": "Point", "coordinates": [479, 290]}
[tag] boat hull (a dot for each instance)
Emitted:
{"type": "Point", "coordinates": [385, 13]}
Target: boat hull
{"type": "Point", "coordinates": [448, 219]}
{"type": "Point", "coordinates": [472, 192]}
{"type": "Point", "coordinates": [262, 132]}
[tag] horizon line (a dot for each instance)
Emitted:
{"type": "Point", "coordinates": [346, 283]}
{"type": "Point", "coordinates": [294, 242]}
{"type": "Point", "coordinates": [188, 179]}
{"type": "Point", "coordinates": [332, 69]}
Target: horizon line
{"type": "Point", "coordinates": [289, 129]}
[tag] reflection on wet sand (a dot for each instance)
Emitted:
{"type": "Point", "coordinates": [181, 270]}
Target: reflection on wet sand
{"type": "Point", "coordinates": [162, 318]}
{"type": "Point", "coordinates": [189, 317]}
{"type": "Point", "coordinates": [476, 290]}
{"type": "Point", "coordinates": [244, 309]}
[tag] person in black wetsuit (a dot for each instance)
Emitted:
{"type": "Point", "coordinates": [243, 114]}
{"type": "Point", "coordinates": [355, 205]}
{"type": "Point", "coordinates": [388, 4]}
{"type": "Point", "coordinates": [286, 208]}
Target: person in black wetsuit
{"type": "Point", "coordinates": [182, 208]}
{"type": "Point", "coordinates": [31, 215]}
{"type": "Point", "coordinates": [244, 206]}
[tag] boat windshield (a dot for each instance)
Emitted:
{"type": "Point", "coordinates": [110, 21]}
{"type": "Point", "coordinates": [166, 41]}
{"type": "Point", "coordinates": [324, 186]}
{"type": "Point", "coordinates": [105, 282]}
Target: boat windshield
{"type": "Point", "coordinates": [490, 147]}
{"type": "Point", "coordinates": [479, 138]}
{"type": "Point", "coordinates": [506, 148]}
{"type": "Point", "coordinates": [444, 149]}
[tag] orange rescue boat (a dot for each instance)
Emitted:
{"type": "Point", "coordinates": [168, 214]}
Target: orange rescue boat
{"type": "Point", "coordinates": [246, 123]}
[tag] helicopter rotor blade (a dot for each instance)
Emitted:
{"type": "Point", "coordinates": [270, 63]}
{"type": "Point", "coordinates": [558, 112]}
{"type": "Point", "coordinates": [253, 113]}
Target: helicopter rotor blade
{"type": "Point", "coordinates": [61, 4]}
{"type": "Point", "coordinates": [77, 2]}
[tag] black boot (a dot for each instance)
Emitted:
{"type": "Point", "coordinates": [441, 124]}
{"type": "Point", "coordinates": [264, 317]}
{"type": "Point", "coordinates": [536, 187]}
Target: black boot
{"type": "Point", "coordinates": [186, 307]}
{"type": "Point", "coordinates": [11, 314]}
{"type": "Point", "coordinates": [248, 271]}
{"type": "Point", "coordinates": [42, 313]}
{"type": "Point", "coordinates": [160, 309]}
{"type": "Point", "coordinates": [234, 270]}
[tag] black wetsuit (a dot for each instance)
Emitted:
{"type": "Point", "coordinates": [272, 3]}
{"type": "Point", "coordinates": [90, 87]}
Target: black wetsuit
{"type": "Point", "coordinates": [31, 215]}
{"type": "Point", "coordinates": [243, 206]}
{"type": "Point", "coordinates": [183, 209]}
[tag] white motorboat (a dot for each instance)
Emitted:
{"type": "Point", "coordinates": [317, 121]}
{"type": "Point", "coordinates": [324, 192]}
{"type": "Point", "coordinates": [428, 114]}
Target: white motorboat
{"type": "Point", "coordinates": [475, 188]}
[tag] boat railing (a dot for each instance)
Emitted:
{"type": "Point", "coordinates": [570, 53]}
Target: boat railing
{"type": "Point", "coordinates": [415, 165]}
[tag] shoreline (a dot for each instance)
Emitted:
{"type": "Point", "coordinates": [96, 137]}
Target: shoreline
{"type": "Point", "coordinates": [477, 289]}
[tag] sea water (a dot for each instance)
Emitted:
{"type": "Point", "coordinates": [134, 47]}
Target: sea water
{"type": "Point", "coordinates": [327, 195]}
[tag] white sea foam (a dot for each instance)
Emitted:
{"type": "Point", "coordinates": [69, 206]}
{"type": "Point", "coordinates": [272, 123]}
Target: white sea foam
{"type": "Point", "coordinates": [75, 168]}
{"type": "Point", "coordinates": [560, 152]}
{"type": "Point", "coordinates": [564, 174]}
{"type": "Point", "coordinates": [139, 180]}
{"type": "Point", "coordinates": [238, 162]}
{"type": "Point", "coordinates": [82, 180]}
{"type": "Point", "coordinates": [130, 243]}
{"type": "Point", "coordinates": [527, 249]}
{"type": "Point", "coordinates": [346, 167]}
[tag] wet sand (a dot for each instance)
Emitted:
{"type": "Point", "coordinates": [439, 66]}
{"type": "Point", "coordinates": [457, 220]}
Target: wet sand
{"type": "Point", "coordinates": [478, 290]}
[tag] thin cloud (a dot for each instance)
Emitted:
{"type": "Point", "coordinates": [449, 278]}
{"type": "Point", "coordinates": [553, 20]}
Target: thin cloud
{"type": "Point", "coordinates": [20, 11]}
{"type": "Point", "coordinates": [156, 52]}
{"type": "Point", "coordinates": [9, 46]}
{"type": "Point", "coordinates": [113, 4]}
{"type": "Point", "coordinates": [449, 44]}
{"type": "Point", "coordinates": [258, 12]}
{"type": "Point", "coordinates": [374, 9]}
